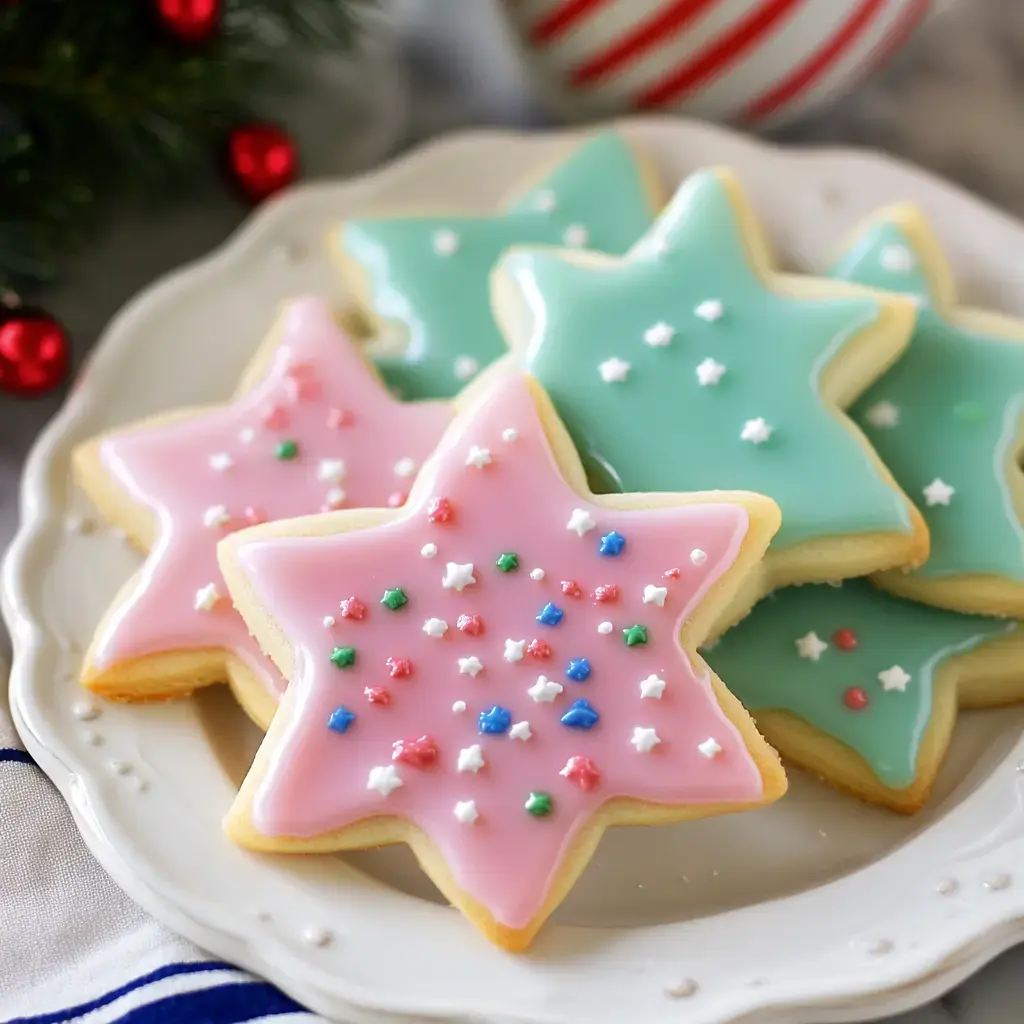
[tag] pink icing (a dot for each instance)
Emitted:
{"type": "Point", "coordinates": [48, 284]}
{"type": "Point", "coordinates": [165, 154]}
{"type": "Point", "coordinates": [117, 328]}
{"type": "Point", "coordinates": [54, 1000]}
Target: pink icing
{"type": "Point", "coordinates": [518, 503]}
{"type": "Point", "coordinates": [319, 392]}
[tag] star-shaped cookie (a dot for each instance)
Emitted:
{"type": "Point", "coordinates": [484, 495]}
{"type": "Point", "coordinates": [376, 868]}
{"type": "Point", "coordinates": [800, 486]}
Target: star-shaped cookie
{"type": "Point", "coordinates": [862, 688]}
{"type": "Point", "coordinates": [948, 419]}
{"type": "Point", "coordinates": [428, 274]}
{"type": "Point", "coordinates": [692, 364]}
{"type": "Point", "coordinates": [311, 428]}
{"type": "Point", "coordinates": [523, 673]}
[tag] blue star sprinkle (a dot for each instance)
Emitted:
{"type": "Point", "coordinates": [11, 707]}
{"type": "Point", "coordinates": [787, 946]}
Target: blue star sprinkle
{"type": "Point", "coordinates": [494, 721]}
{"type": "Point", "coordinates": [578, 669]}
{"type": "Point", "coordinates": [341, 718]}
{"type": "Point", "coordinates": [612, 544]}
{"type": "Point", "coordinates": [580, 716]}
{"type": "Point", "coordinates": [550, 615]}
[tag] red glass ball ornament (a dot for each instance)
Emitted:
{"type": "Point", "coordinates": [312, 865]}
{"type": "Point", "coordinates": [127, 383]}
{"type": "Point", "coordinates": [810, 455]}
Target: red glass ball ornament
{"type": "Point", "coordinates": [34, 352]}
{"type": "Point", "coordinates": [190, 21]}
{"type": "Point", "coordinates": [262, 159]}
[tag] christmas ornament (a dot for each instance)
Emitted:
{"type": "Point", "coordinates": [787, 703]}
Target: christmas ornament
{"type": "Point", "coordinates": [741, 60]}
{"type": "Point", "coordinates": [34, 352]}
{"type": "Point", "coordinates": [189, 21]}
{"type": "Point", "coordinates": [262, 159]}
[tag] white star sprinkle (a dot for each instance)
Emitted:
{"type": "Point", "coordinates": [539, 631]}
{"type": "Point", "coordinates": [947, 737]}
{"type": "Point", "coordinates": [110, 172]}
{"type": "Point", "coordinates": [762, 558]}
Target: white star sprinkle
{"type": "Point", "coordinates": [471, 666]}
{"type": "Point", "coordinates": [576, 236]}
{"type": "Point", "coordinates": [545, 690]}
{"type": "Point", "coordinates": [756, 430]}
{"type": "Point", "coordinates": [446, 242]}
{"type": "Point", "coordinates": [652, 687]}
{"type": "Point", "coordinates": [465, 367]}
{"type": "Point", "coordinates": [458, 576]}
{"type": "Point", "coordinates": [659, 335]}
{"type": "Point", "coordinates": [247, 435]}
{"type": "Point", "coordinates": [894, 679]}
{"type": "Point", "coordinates": [810, 646]}
{"type": "Point", "coordinates": [331, 470]}
{"type": "Point", "coordinates": [207, 598]}
{"type": "Point", "coordinates": [883, 415]}
{"type": "Point", "coordinates": [710, 748]}
{"type": "Point", "coordinates": [655, 595]}
{"type": "Point", "coordinates": [644, 739]}
{"type": "Point", "coordinates": [698, 556]}
{"type": "Point", "coordinates": [710, 310]}
{"type": "Point", "coordinates": [384, 779]}
{"type": "Point", "coordinates": [335, 497]}
{"type": "Point", "coordinates": [221, 461]}
{"type": "Point", "coordinates": [545, 200]}
{"type": "Point", "coordinates": [510, 434]}
{"type": "Point", "coordinates": [329, 621]}
{"type": "Point", "coordinates": [435, 628]}
{"type": "Point", "coordinates": [938, 492]}
{"type": "Point", "coordinates": [459, 707]}
{"type": "Point", "coordinates": [581, 521]}
{"type": "Point", "coordinates": [216, 515]}
{"type": "Point", "coordinates": [405, 467]}
{"type": "Point", "coordinates": [614, 370]}
{"type": "Point", "coordinates": [514, 650]}
{"type": "Point", "coordinates": [604, 628]}
{"type": "Point", "coordinates": [471, 759]}
{"type": "Point", "coordinates": [520, 731]}
{"type": "Point", "coordinates": [428, 550]}
{"type": "Point", "coordinates": [466, 812]}
{"type": "Point", "coordinates": [897, 258]}
{"type": "Point", "coordinates": [709, 372]}
{"type": "Point", "coordinates": [537, 574]}
{"type": "Point", "coordinates": [478, 457]}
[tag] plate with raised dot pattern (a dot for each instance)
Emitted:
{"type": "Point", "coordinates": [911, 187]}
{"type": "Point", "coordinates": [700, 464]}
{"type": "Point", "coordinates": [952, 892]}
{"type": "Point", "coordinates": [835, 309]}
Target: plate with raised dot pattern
{"type": "Point", "coordinates": [817, 909]}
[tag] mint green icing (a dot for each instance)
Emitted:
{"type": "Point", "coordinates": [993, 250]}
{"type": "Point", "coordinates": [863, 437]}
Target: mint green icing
{"type": "Point", "coordinates": [659, 429]}
{"type": "Point", "coordinates": [443, 301]}
{"type": "Point", "coordinates": [959, 398]}
{"type": "Point", "coordinates": [760, 663]}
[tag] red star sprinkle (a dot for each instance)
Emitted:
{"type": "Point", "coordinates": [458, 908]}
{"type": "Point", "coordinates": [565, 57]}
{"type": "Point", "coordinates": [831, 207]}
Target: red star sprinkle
{"type": "Point", "coordinates": [538, 649]}
{"type": "Point", "coordinates": [581, 770]}
{"type": "Point", "coordinates": [470, 624]}
{"type": "Point", "coordinates": [606, 593]}
{"type": "Point", "coordinates": [275, 417]}
{"type": "Point", "coordinates": [440, 511]}
{"type": "Point", "coordinates": [845, 639]}
{"type": "Point", "coordinates": [855, 699]}
{"type": "Point", "coordinates": [337, 418]}
{"type": "Point", "coordinates": [571, 588]}
{"type": "Point", "coordinates": [399, 667]}
{"type": "Point", "coordinates": [420, 752]}
{"type": "Point", "coordinates": [671, 574]}
{"type": "Point", "coordinates": [301, 382]}
{"type": "Point", "coordinates": [353, 608]}
{"type": "Point", "coordinates": [377, 695]}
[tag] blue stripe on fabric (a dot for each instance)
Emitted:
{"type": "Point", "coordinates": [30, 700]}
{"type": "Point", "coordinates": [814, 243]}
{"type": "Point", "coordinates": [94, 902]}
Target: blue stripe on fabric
{"type": "Point", "coordinates": [222, 1004]}
{"type": "Point", "coordinates": [12, 754]}
{"type": "Point", "coordinates": [167, 971]}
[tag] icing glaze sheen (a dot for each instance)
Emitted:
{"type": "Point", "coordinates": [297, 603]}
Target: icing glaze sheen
{"type": "Point", "coordinates": [481, 650]}
{"type": "Point", "coordinates": [679, 369]}
{"type": "Point", "coordinates": [865, 632]}
{"type": "Point", "coordinates": [318, 424]}
{"type": "Point", "coordinates": [954, 402]}
{"type": "Point", "coordinates": [430, 274]}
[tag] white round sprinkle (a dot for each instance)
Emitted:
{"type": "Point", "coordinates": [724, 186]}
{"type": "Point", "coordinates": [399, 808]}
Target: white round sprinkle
{"type": "Point", "coordinates": [334, 498]}
{"type": "Point", "coordinates": [319, 937]}
{"type": "Point", "coordinates": [85, 710]}
{"type": "Point", "coordinates": [698, 556]}
{"type": "Point", "coordinates": [329, 621]}
{"type": "Point", "coordinates": [459, 707]}
{"type": "Point", "coordinates": [405, 467]}
{"type": "Point", "coordinates": [428, 550]}
{"type": "Point", "coordinates": [465, 367]}
{"type": "Point", "coordinates": [710, 310]}
{"type": "Point", "coordinates": [331, 470]}
{"type": "Point", "coordinates": [221, 461]}
{"type": "Point", "coordinates": [537, 574]}
{"type": "Point", "coordinates": [605, 628]}
{"type": "Point", "coordinates": [897, 258]}
{"type": "Point", "coordinates": [247, 435]}
{"type": "Point", "coordinates": [883, 415]}
{"type": "Point", "coordinates": [682, 990]}
{"type": "Point", "coordinates": [446, 242]}
{"type": "Point", "coordinates": [509, 434]}
{"type": "Point", "coordinates": [216, 516]}
{"type": "Point", "coordinates": [576, 236]}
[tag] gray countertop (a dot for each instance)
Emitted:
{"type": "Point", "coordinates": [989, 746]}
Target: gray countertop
{"type": "Point", "coordinates": [950, 103]}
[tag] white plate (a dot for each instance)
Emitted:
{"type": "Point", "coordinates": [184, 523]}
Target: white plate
{"type": "Point", "coordinates": [815, 910]}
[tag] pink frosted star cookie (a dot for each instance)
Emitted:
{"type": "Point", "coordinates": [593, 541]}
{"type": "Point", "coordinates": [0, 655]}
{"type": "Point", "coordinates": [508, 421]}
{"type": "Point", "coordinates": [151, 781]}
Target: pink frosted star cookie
{"type": "Point", "coordinates": [520, 671]}
{"type": "Point", "coordinates": [312, 428]}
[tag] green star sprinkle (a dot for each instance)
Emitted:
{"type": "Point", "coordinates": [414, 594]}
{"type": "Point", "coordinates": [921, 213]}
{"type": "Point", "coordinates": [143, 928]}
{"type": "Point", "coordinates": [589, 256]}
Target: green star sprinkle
{"type": "Point", "coordinates": [538, 804]}
{"type": "Point", "coordinates": [287, 450]}
{"type": "Point", "coordinates": [507, 561]}
{"type": "Point", "coordinates": [394, 598]}
{"type": "Point", "coordinates": [634, 635]}
{"type": "Point", "coordinates": [344, 657]}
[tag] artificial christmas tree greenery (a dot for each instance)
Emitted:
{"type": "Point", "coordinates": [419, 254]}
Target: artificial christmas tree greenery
{"type": "Point", "coordinates": [128, 97]}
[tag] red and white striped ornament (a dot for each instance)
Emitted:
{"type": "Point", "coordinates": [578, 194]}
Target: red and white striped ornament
{"type": "Point", "coordinates": [739, 60]}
